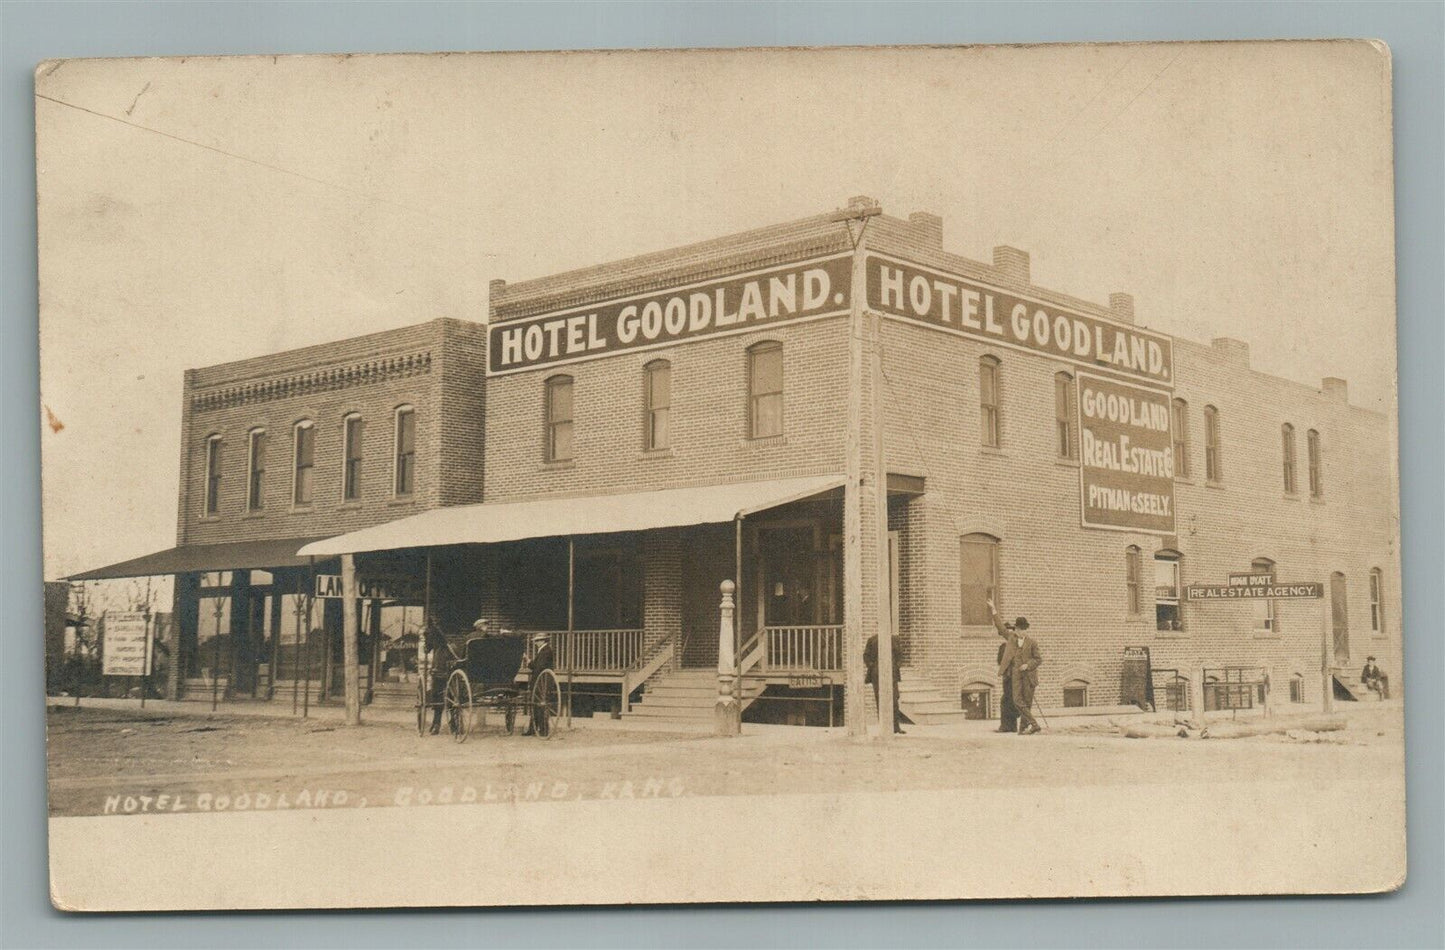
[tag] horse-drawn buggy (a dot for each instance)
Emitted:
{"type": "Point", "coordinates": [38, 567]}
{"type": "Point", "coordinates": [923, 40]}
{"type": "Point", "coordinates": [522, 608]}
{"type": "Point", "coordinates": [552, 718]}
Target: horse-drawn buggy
{"type": "Point", "coordinates": [488, 675]}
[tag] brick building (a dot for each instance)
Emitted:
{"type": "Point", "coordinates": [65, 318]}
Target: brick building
{"type": "Point", "coordinates": [617, 441]}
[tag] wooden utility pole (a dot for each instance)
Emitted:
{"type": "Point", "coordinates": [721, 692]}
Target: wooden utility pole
{"type": "Point", "coordinates": [855, 217]}
{"type": "Point", "coordinates": [349, 637]}
{"type": "Point", "coordinates": [879, 489]}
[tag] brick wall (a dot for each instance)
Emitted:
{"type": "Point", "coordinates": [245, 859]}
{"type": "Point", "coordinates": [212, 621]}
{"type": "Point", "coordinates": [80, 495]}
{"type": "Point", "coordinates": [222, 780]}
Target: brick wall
{"type": "Point", "coordinates": [1069, 581]}
{"type": "Point", "coordinates": [434, 367]}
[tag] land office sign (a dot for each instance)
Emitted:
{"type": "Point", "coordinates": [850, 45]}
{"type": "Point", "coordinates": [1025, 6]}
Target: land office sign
{"type": "Point", "coordinates": [790, 293]}
{"type": "Point", "coordinates": [951, 303]}
{"type": "Point", "coordinates": [1126, 456]}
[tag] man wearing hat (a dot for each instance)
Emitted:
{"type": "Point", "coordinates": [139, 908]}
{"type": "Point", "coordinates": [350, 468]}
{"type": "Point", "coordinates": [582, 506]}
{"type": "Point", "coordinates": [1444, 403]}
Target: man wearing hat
{"type": "Point", "coordinates": [1374, 679]}
{"type": "Point", "coordinates": [1019, 666]}
{"type": "Point", "coordinates": [542, 659]}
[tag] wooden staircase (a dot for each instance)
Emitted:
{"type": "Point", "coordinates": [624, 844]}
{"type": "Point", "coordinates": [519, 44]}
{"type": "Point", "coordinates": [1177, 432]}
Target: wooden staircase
{"type": "Point", "coordinates": [686, 694]}
{"type": "Point", "coordinates": [923, 702]}
{"type": "Point", "coordinates": [1349, 680]}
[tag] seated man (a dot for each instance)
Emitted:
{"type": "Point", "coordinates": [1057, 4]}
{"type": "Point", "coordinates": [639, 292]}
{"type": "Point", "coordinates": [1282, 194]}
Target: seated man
{"type": "Point", "coordinates": [1374, 680]}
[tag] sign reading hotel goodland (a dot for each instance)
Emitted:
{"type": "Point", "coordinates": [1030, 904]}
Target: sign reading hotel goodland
{"type": "Point", "coordinates": [1126, 456]}
{"type": "Point", "coordinates": [800, 291]}
{"type": "Point", "coordinates": [948, 302]}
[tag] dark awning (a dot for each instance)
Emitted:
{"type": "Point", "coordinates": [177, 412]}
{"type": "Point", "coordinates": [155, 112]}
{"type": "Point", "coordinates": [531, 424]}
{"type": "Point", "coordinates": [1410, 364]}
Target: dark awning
{"type": "Point", "coordinates": [229, 556]}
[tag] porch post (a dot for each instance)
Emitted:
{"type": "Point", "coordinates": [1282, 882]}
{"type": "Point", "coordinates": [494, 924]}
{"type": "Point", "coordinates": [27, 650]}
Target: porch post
{"type": "Point", "coordinates": [726, 714]}
{"type": "Point", "coordinates": [887, 686]}
{"type": "Point", "coordinates": [855, 217]}
{"type": "Point", "coordinates": [349, 636]}
{"type": "Point", "coordinates": [570, 644]}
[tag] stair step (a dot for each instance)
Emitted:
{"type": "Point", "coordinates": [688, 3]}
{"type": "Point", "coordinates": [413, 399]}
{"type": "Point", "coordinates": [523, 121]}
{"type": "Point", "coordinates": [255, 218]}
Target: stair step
{"type": "Point", "coordinates": [698, 712]}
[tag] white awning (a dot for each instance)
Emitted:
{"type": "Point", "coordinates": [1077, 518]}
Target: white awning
{"type": "Point", "coordinates": [558, 517]}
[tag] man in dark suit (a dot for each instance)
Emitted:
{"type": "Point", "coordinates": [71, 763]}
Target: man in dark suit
{"type": "Point", "coordinates": [1019, 665]}
{"type": "Point", "coordinates": [1008, 713]}
{"type": "Point", "coordinates": [870, 661]}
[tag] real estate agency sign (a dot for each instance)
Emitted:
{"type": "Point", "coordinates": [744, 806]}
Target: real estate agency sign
{"type": "Point", "coordinates": [1126, 456]}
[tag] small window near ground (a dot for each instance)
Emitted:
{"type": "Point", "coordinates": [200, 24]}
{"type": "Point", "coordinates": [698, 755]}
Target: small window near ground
{"type": "Point", "coordinates": [1076, 695]}
{"type": "Point", "coordinates": [976, 702]}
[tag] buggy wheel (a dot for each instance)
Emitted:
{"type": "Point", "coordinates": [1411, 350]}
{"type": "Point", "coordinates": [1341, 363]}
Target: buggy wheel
{"type": "Point", "coordinates": [544, 703]}
{"type": "Point", "coordinates": [459, 705]}
{"type": "Point", "coordinates": [421, 706]}
{"type": "Point", "coordinates": [509, 715]}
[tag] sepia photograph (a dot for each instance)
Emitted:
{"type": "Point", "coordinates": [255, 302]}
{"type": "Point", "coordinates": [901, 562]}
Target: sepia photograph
{"type": "Point", "coordinates": [720, 476]}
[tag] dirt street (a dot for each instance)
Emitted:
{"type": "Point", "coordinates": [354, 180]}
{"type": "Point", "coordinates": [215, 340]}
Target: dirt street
{"type": "Point", "coordinates": [117, 761]}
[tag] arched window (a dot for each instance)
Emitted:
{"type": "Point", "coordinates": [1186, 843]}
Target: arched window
{"type": "Point", "coordinates": [1133, 580]}
{"type": "Point", "coordinates": [1291, 484]}
{"type": "Point", "coordinates": [765, 389]}
{"type": "Point", "coordinates": [304, 462]}
{"type": "Point", "coordinates": [404, 442]}
{"type": "Point", "coordinates": [979, 578]}
{"type": "Point", "coordinates": [558, 414]}
{"type": "Point", "coordinates": [989, 408]}
{"type": "Point", "coordinates": [1213, 460]}
{"type": "Point", "coordinates": [1297, 688]}
{"type": "Point", "coordinates": [1167, 613]}
{"type": "Point", "coordinates": [657, 405]}
{"type": "Point", "coordinates": [1377, 600]}
{"type": "Point", "coordinates": [1064, 414]}
{"type": "Point", "coordinates": [256, 468]}
{"type": "Point", "coordinates": [1340, 617]}
{"type": "Point", "coordinates": [353, 435]}
{"type": "Point", "coordinates": [213, 474]}
{"type": "Point", "coordinates": [1312, 451]}
{"type": "Point", "coordinates": [1179, 421]}
{"type": "Point", "coordinates": [1264, 616]}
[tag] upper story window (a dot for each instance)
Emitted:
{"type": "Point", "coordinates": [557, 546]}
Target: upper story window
{"type": "Point", "coordinates": [304, 453]}
{"type": "Point", "coordinates": [1133, 580]}
{"type": "Point", "coordinates": [405, 440]}
{"type": "Point", "coordinates": [558, 434]}
{"type": "Point", "coordinates": [1377, 600]}
{"type": "Point", "coordinates": [1167, 615]}
{"type": "Point", "coordinates": [1291, 483]}
{"type": "Point", "coordinates": [1064, 413]}
{"type": "Point", "coordinates": [1213, 460]}
{"type": "Point", "coordinates": [1179, 420]}
{"type": "Point", "coordinates": [978, 578]}
{"type": "Point", "coordinates": [657, 404]}
{"type": "Point", "coordinates": [353, 435]}
{"type": "Point", "coordinates": [990, 433]}
{"type": "Point", "coordinates": [1312, 450]}
{"type": "Point", "coordinates": [256, 482]}
{"type": "Point", "coordinates": [765, 389]}
{"type": "Point", "coordinates": [1264, 617]}
{"type": "Point", "coordinates": [213, 474]}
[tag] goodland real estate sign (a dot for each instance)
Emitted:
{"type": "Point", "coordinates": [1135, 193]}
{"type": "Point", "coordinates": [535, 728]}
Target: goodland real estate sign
{"type": "Point", "coordinates": [1126, 457]}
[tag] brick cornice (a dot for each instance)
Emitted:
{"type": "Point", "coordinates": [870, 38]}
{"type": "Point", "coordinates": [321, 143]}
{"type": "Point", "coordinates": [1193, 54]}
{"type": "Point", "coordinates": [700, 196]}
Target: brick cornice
{"type": "Point", "coordinates": [360, 373]}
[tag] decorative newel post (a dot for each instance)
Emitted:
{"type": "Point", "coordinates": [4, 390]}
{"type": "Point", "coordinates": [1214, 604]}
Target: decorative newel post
{"type": "Point", "coordinates": [727, 713]}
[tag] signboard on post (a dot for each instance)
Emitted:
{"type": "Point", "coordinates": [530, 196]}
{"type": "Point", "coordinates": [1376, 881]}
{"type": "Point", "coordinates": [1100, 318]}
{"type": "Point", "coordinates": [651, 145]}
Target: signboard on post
{"type": "Point", "coordinates": [127, 652]}
{"type": "Point", "coordinates": [1126, 457]}
{"type": "Point", "coordinates": [1136, 679]}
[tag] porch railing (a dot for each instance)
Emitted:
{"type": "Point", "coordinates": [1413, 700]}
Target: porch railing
{"type": "Point", "coordinates": [818, 647]}
{"type": "Point", "coordinates": [592, 651]}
